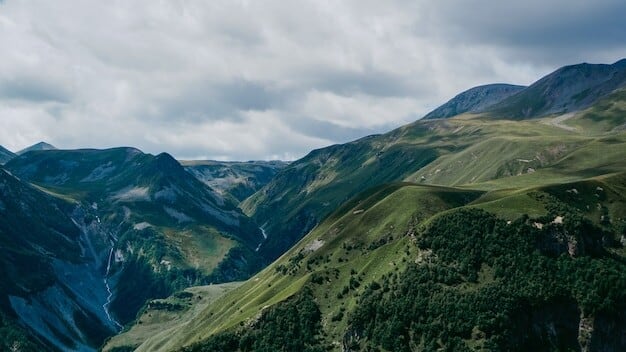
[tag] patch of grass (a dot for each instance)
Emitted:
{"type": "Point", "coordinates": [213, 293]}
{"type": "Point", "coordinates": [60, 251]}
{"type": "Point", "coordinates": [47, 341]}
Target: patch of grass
{"type": "Point", "coordinates": [606, 115]}
{"type": "Point", "coordinates": [155, 322]}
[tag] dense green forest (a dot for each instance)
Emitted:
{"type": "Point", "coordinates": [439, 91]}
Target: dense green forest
{"type": "Point", "coordinates": [290, 326]}
{"type": "Point", "coordinates": [496, 285]}
{"type": "Point", "coordinates": [480, 283]}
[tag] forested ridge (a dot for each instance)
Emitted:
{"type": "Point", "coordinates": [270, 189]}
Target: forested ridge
{"type": "Point", "coordinates": [479, 283]}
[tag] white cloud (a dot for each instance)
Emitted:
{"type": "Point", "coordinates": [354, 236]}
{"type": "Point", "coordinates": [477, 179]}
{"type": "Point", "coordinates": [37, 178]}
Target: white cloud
{"type": "Point", "coordinates": [359, 110]}
{"type": "Point", "coordinates": [251, 79]}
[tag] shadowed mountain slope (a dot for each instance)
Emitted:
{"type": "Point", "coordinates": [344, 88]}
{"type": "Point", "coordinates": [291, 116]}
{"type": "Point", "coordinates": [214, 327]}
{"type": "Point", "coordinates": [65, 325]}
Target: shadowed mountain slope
{"type": "Point", "coordinates": [568, 89]}
{"type": "Point", "coordinates": [474, 100]}
{"type": "Point", "coordinates": [36, 147]}
{"type": "Point", "coordinates": [159, 229]}
{"type": "Point", "coordinates": [5, 155]}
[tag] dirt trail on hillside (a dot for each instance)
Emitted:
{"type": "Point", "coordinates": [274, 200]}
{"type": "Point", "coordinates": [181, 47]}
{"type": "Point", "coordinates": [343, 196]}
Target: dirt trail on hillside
{"type": "Point", "coordinates": [558, 121]}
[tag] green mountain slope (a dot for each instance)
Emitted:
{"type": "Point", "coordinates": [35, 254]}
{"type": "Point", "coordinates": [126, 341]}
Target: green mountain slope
{"type": "Point", "coordinates": [468, 150]}
{"type": "Point", "coordinates": [307, 190]}
{"type": "Point", "coordinates": [467, 233]}
{"type": "Point", "coordinates": [409, 265]}
{"type": "Point", "coordinates": [166, 229]}
{"type": "Point", "coordinates": [160, 317]}
{"type": "Point", "coordinates": [236, 179]}
{"type": "Point", "coordinates": [367, 233]}
{"type": "Point", "coordinates": [606, 115]}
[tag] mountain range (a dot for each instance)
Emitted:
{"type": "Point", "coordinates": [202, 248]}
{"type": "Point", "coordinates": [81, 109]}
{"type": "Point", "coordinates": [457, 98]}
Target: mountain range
{"type": "Point", "coordinates": [568, 89]}
{"type": "Point", "coordinates": [448, 152]}
{"type": "Point", "coordinates": [415, 221]}
{"type": "Point", "coordinates": [148, 226]}
{"type": "Point", "coordinates": [497, 222]}
{"type": "Point", "coordinates": [238, 180]}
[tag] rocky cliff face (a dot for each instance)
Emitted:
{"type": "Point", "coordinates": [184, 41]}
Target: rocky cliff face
{"type": "Point", "coordinates": [562, 324]}
{"type": "Point", "coordinates": [54, 263]}
{"type": "Point", "coordinates": [606, 332]}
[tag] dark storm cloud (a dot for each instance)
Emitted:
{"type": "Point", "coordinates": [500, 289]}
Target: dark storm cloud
{"type": "Point", "coordinates": [309, 126]}
{"type": "Point", "coordinates": [553, 30]}
{"type": "Point", "coordinates": [33, 90]}
{"type": "Point", "coordinates": [370, 81]}
{"type": "Point", "coordinates": [246, 95]}
{"type": "Point", "coordinates": [217, 101]}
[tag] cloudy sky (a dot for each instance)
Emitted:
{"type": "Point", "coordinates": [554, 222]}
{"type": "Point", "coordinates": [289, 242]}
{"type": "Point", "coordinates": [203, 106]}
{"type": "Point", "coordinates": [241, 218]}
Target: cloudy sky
{"type": "Point", "coordinates": [239, 80]}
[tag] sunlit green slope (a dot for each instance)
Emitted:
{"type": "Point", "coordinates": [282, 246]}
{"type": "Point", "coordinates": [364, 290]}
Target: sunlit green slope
{"type": "Point", "coordinates": [387, 234]}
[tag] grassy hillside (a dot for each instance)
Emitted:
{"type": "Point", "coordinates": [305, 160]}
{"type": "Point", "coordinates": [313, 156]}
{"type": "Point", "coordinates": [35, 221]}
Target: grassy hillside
{"type": "Point", "coordinates": [607, 115]}
{"type": "Point", "coordinates": [468, 150]}
{"type": "Point", "coordinates": [560, 187]}
{"type": "Point", "coordinates": [370, 249]}
{"type": "Point", "coordinates": [520, 153]}
{"type": "Point", "coordinates": [160, 317]}
{"type": "Point", "coordinates": [309, 189]}
{"type": "Point", "coordinates": [366, 238]}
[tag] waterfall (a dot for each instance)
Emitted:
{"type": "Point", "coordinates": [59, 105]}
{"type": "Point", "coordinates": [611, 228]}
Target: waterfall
{"type": "Point", "coordinates": [105, 306]}
{"type": "Point", "coordinates": [264, 238]}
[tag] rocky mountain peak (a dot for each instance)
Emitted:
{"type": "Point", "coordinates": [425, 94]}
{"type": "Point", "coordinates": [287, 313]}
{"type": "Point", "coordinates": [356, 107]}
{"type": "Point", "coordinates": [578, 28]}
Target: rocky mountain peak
{"type": "Point", "coordinates": [475, 100]}
{"type": "Point", "coordinates": [37, 146]}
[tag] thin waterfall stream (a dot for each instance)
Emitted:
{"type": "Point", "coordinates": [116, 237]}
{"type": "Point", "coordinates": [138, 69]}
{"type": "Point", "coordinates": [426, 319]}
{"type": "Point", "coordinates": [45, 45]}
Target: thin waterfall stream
{"type": "Point", "coordinates": [105, 306]}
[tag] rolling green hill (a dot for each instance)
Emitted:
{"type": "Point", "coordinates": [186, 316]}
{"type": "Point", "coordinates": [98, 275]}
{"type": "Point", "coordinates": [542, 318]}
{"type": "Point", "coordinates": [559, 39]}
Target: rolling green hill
{"type": "Point", "coordinates": [162, 316]}
{"type": "Point", "coordinates": [474, 150]}
{"type": "Point", "coordinates": [307, 190]}
{"type": "Point", "coordinates": [384, 253]}
{"type": "Point", "coordinates": [606, 115]}
{"type": "Point", "coordinates": [367, 233]}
